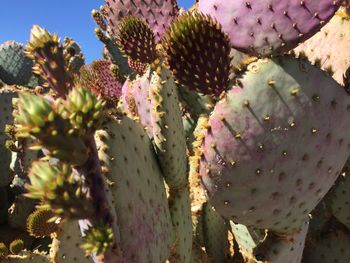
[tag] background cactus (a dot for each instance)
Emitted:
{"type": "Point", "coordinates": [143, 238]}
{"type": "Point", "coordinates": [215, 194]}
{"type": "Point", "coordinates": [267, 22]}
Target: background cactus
{"type": "Point", "coordinates": [177, 147]}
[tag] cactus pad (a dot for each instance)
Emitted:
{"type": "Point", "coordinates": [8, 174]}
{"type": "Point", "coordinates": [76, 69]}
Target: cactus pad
{"type": "Point", "coordinates": [269, 26]}
{"type": "Point", "coordinates": [330, 48]}
{"type": "Point", "coordinates": [137, 187]}
{"type": "Point", "coordinates": [15, 67]}
{"type": "Point", "coordinates": [275, 131]}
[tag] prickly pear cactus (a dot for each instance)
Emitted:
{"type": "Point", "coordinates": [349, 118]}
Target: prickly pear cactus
{"type": "Point", "coordinates": [15, 67]}
{"type": "Point", "coordinates": [269, 26]}
{"type": "Point", "coordinates": [330, 47]}
{"type": "Point", "coordinates": [135, 182]}
{"type": "Point", "coordinates": [277, 108]}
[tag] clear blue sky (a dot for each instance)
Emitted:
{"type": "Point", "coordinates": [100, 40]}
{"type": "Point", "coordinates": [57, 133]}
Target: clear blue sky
{"type": "Point", "coordinates": [66, 17]}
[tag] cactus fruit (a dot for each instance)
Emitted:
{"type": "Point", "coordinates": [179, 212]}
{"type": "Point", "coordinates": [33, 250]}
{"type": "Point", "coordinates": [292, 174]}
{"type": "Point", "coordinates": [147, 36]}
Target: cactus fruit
{"type": "Point", "coordinates": [99, 78]}
{"type": "Point", "coordinates": [39, 223]}
{"type": "Point", "coordinates": [158, 14]}
{"type": "Point", "coordinates": [137, 40]}
{"type": "Point", "coordinates": [276, 101]}
{"type": "Point", "coordinates": [200, 58]}
{"type": "Point", "coordinates": [330, 48]}
{"type": "Point", "coordinates": [16, 246]}
{"type": "Point", "coordinates": [269, 26]}
{"type": "Point", "coordinates": [137, 187]}
{"type": "Point", "coordinates": [3, 251]}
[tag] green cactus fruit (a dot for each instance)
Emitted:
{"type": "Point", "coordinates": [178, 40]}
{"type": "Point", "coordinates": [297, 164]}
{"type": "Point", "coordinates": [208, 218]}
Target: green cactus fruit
{"type": "Point", "coordinates": [7, 94]}
{"type": "Point", "coordinates": [198, 53]}
{"type": "Point", "coordinates": [8, 234]}
{"type": "Point", "coordinates": [98, 239]}
{"type": "Point", "coordinates": [4, 251]}
{"type": "Point", "coordinates": [66, 244]}
{"type": "Point", "coordinates": [46, 50]}
{"type": "Point", "coordinates": [261, 246]}
{"type": "Point", "coordinates": [99, 78]}
{"type": "Point", "coordinates": [137, 187]}
{"type": "Point", "coordinates": [266, 135]}
{"type": "Point", "coordinates": [29, 257]}
{"type": "Point", "coordinates": [39, 223]}
{"type": "Point", "coordinates": [16, 246]}
{"type": "Point", "coordinates": [159, 14]}
{"type": "Point", "coordinates": [137, 40]}
{"type": "Point", "coordinates": [330, 48]}
{"type": "Point", "coordinates": [215, 232]}
{"type": "Point", "coordinates": [339, 196]}
{"type": "Point", "coordinates": [19, 211]}
{"type": "Point", "coordinates": [15, 67]}
{"type": "Point", "coordinates": [38, 118]}
{"type": "Point", "coordinates": [84, 110]}
{"type": "Point", "coordinates": [59, 190]}
{"type": "Point", "coordinates": [332, 246]}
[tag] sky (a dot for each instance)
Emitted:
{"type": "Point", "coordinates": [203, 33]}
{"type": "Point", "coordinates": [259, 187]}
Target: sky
{"type": "Point", "coordinates": [70, 18]}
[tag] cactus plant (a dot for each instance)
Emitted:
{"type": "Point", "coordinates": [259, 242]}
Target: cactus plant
{"type": "Point", "coordinates": [180, 131]}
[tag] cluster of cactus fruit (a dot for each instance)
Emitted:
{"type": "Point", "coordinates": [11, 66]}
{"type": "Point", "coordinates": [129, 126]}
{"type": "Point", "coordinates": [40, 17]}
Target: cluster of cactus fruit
{"type": "Point", "coordinates": [217, 134]}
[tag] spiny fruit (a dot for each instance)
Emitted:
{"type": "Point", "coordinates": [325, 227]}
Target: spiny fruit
{"type": "Point", "coordinates": [198, 53]}
{"type": "Point", "coordinates": [157, 13]}
{"type": "Point", "coordinates": [39, 224]}
{"type": "Point", "coordinates": [275, 131]}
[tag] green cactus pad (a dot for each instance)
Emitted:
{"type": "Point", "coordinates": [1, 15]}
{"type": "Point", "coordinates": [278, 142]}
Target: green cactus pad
{"type": "Point", "coordinates": [271, 152]}
{"type": "Point", "coordinates": [331, 247]}
{"type": "Point", "coordinates": [215, 231]}
{"type": "Point", "coordinates": [198, 53]}
{"type": "Point", "coordinates": [168, 131]}
{"type": "Point", "coordinates": [137, 40]}
{"type": "Point", "coordinates": [137, 187]}
{"type": "Point", "coordinates": [7, 94]}
{"type": "Point", "coordinates": [15, 67]}
{"type": "Point", "coordinates": [66, 244]}
{"type": "Point", "coordinates": [339, 196]}
{"type": "Point", "coordinates": [259, 246]}
{"type": "Point", "coordinates": [180, 210]}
